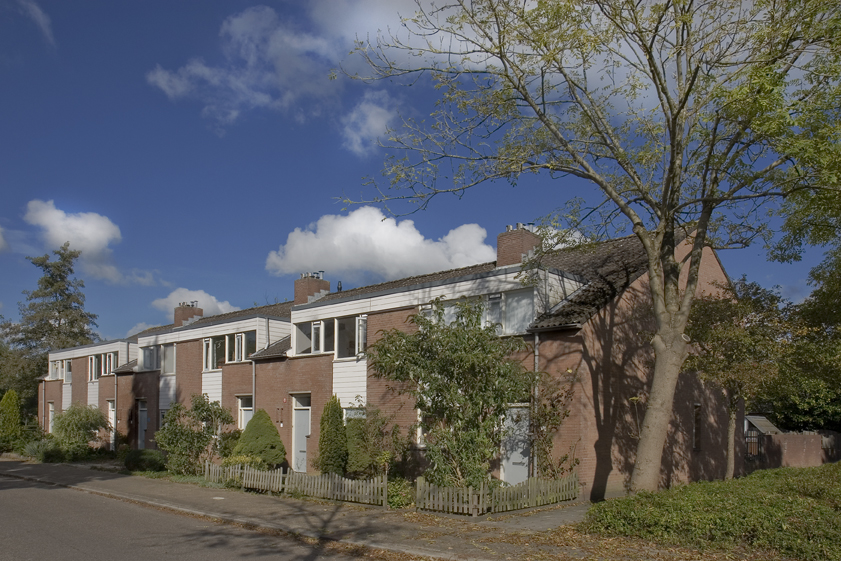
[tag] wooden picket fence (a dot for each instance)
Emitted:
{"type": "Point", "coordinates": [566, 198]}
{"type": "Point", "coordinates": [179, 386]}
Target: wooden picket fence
{"type": "Point", "coordinates": [325, 486]}
{"type": "Point", "coordinates": [533, 492]}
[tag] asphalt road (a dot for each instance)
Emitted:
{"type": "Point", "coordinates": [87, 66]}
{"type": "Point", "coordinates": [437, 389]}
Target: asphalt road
{"type": "Point", "coordinates": [40, 522]}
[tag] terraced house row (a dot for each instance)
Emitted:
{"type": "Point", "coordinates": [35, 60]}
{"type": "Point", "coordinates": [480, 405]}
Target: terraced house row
{"type": "Point", "coordinates": [586, 320]}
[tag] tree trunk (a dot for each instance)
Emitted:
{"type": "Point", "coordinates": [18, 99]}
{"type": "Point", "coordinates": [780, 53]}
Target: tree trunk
{"type": "Point", "coordinates": [670, 352]}
{"type": "Point", "coordinates": [731, 444]}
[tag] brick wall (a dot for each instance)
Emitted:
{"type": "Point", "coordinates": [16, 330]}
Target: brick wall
{"type": "Point", "coordinates": [188, 368]}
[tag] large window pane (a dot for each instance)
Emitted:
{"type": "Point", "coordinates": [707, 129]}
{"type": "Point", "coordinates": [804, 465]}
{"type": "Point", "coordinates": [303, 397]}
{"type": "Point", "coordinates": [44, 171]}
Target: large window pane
{"type": "Point", "coordinates": [168, 363]}
{"type": "Point", "coordinates": [303, 344]}
{"type": "Point", "coordinates": [346, 339]}
{"type": "Point", "coordinates": [519, 310]}
{"type": "Point", "coordinates": [250, 343]}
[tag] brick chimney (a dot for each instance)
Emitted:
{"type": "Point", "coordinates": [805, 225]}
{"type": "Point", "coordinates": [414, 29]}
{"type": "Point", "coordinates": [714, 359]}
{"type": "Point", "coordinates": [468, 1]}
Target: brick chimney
{"type": "Point", "coordinates": [513, 244]}
{"type": "Point", "coordinates": [310, 284]}
{"type": "Point", "coordinates": [185, 311]}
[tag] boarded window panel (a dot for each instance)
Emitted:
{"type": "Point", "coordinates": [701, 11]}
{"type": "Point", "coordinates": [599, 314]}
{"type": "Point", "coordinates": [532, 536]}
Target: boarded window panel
{"type": "Point", "coordinates": [519, 310]}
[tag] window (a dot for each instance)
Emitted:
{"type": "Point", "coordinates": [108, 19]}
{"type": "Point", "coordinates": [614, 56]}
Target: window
{"type": "Point", "coordinates": [518, 310]}
{"type": "Point", "coordinates": [493, 312]}
{"type": "Point", "coordinates": [59, 369]}
{"type": "Point", "coordinates": [214, 353]}
{"type": "Point", "coordinates": [68, 371]}
{"type": "Point", "coordinates": [303, 338]}
{"type": "Point", "coordinates": [245, 408]}
{"type": "Point", "coordinates": [50, 416]}
{"type": "Point", "coordinates": [347, 337]}
{"type": "Point", "coordinates": [151, 358]}
{"type": "Point", "coordinates": [100, 365]}
{"type": "Point", "coordinates": [168, 359]}
{"type": "Point", "coordinates": [351, 336]}
{"type": "Point", "coordinates": [163, 416]}
{"type": "Point", "coordinates": [236, 347]}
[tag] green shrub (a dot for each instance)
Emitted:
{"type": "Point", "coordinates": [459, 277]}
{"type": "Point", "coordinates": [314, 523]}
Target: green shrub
{"type": "Point", "coordinates": [255, 462]}
{"type": "Point", "coordinates": [261, 439]}
{"type": "Point", "coordinates": [188, 434]}
{"type": "Point", "coordinates": [226, 442]}
{"type": "Point", "coordinates": [793, 511]}
{"type": "Point", "coordinates": [10, 424]}
{"type": "Point", "coordinates": [332, 439]}
{"type": "Point", "coordinates": [145, 460]}
{"type": "Point", "coordinates": [76, 427]}
{"type": "Point", "coordinates": [374, 446]}
{"type": "Point", "coordinates": [45, 450]}
{"type": "Point", "coordinates": [401, 493]}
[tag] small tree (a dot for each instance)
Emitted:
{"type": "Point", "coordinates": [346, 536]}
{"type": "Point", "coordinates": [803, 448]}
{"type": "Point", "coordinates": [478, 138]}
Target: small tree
{"type": "Point", "coordinates": [373, 444]}
{"type": "Point", "coordinates": [332, 439]}
{"type": "Point", "coordinates": [261, 439]}
{"type": "Point", "coordinates": [188, 434]}
{"type": "Point", "coordinates": [462, 378]}
{"type": "Point", "coordinates": [740, 335]}
{"type": "Point", "coordinates": [78, 426]}
{"type": "Point", "coordinates": [10, 425]}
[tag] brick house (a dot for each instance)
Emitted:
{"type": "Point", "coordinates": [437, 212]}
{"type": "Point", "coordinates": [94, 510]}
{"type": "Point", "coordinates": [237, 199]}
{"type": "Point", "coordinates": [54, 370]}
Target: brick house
{"type": "Point", "coordinates": [586, 319]}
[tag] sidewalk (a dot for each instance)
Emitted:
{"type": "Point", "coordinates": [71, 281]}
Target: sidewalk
{"type": "Point", "coordinates": [494, 538]}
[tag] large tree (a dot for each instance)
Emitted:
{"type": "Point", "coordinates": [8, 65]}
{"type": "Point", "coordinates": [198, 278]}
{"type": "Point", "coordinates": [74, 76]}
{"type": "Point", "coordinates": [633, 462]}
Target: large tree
{"type": "Point", "coordinates": [52, 317]}
{"type": "Point", "coordinates": [684, 115]}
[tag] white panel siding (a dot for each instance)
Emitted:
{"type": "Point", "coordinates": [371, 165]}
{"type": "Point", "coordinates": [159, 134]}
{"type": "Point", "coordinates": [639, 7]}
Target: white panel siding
{"type": "Point", "coordinates": [350, 381]}
{"type": "Point", "coordinates": [66, 394]}
{"type": "Point", "coordinates": [211, 384]}
{"type": "Point", "coordinates": [88, 350]}
{"type": "Point", "coordinates": [93, 393]}
{"type": "Point", "coordinates": [253, 324]}
{"type": "Point", "coordinates": [167, 391]}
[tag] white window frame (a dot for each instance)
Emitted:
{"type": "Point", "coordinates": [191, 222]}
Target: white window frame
{"type": "Point", "coordinates": [94, 367]}
{"type": "Point", "coordinates": [163, 352]}
{"type": "Point", "coordinates": [208, 364]}
{"type": "Point", "coordinates": [151, 357]}
{"type": "Point", "coordinates": [240, 410]}
{"type": "Point", "coordinates": [67, 371]}
{"type": "Point", "coordinates": [50, 416]}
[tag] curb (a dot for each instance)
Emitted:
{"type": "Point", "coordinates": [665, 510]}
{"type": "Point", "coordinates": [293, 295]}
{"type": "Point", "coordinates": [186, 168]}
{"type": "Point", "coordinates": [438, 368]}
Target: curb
{"type": "Point", "coordinates": [252, 523]}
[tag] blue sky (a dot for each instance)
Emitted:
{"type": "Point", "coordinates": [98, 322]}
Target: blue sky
{"type": "Point", "coordinates": [196, 150]}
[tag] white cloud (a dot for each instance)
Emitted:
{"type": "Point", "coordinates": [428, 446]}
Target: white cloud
{"type": "Point", "coordinates": [34, 12]}
{"type": "Point", "coordinates": [365, 243]}
{"type": "Point", "coordinates": [4, 245]}
{"type": "Point", "coordinates": [269, 64]}
{"type": "Point", "coordinates": [369, 120]}
{"type": "Point", "coordinates": [209, 304]}
{"type": "Point", "coordinates": [88, 232]}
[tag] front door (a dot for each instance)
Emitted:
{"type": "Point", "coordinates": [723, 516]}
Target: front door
{"type": "Point", "coordinates": [300, 432]}
{"type": "Point", "coordinates": [515, 447]}
{"type": "Point", "coordinates": [142, 423]}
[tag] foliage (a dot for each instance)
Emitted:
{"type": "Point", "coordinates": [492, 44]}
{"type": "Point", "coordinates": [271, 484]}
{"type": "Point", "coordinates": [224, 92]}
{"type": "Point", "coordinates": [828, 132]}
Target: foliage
{"type": "Point", "coordinates": [462, 378]}
{"type": "Point", "coordinates": [548, 413]}
{"type": "Point", "coordinates": [76, 427]}
{"type": "Point", "coordinates": [373, 445]}
{"type": "Point", "coordinates": [45, 450]}
{"type": "Point", "coordinates": [53, 317]}
{"type": "Point", "coordinates": [261, 439]}
{"type": "Point", "coordinates": [227, 441]}
{"type": "Point", "coordinates": [145, 460]}
{"type": "Point", "coordinates": [401, 493]}
{"type": "Point", "coordinates": [10, 423]}
{"type": "Point", "coordinates": [332, 439]}
{"type": "Point", "coordinates": [684, 116]}
{"type": "Point", "coordinates": [793, 511]}
{"type": "Point", "coordinates": [188, 435]}
{"type": "Point", "coordinates": [255, 462]}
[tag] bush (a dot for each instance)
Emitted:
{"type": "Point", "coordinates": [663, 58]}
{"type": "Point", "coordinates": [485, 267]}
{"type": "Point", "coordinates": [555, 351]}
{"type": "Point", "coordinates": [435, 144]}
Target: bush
{"type": "Point", "coordinates": [76, 427]}
{"type": "Point", "coordinates": [226, 442]}
{"type": "Point", "coordinates": [145, 460]}
{"type": "Point", "coordinates": [261, 439]}
{"type": "Point", "coordinates": [793, 511]}
{"type": "Point", "coordinates": [255, 462]}
{"type": "Point", "coordinates": [10, 425]}
{"type": "Point", "coordinates": [332, 439]}
{"type": "Point", "coordinates": [45, 450]}
{"type": "Point", "coordinates": [188, 434]}
{"type": "Point", "coordinates": [373, 446]}
{"type": "Point", "coordinates": [401, 493]}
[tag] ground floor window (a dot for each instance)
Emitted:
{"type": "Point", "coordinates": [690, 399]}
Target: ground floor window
{"type": "Point", "coordinates": [245, 410]}
{"type": "Point", "coordinates": [50, 416]}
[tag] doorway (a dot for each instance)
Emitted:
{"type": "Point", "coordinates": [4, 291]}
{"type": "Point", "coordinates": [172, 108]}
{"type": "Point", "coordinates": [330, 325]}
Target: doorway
{"type": "Point", "coordinates": [142, 423]}
{"type": "Point", "coordinates": [300, 431]}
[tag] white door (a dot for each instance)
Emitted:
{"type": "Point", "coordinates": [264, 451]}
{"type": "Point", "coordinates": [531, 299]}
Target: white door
{"type": "Point", "coordinates": [300, 432]}
{"type": "Point", "coordinates": [112, 419]}
{"type": "Point", "coordinates": [142, 423]}
{"type": "Point", "coordinates": [515, 447]}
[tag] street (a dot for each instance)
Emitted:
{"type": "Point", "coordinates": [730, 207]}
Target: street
{"type": "Point", "coordinates": [45, 522]}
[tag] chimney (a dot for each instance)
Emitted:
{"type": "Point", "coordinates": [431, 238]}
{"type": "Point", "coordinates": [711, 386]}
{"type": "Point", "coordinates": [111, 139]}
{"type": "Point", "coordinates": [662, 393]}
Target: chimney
{"type": "Point", "coordinates": [513, 244]}
{"type": "Point", "coordinates": [308, 285]}
{"type": "Point", "coordinates": [186, 311]}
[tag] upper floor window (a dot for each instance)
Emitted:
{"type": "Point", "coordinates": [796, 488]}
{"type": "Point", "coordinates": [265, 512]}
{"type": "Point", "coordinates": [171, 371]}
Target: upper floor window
{"type": "Point", "coordinates": [61, 370]}
{"type": "Point", "coordinates": [347, 337]}
{"type": "Point", "coordinates": [150, 357]}
{"type": "Point", "coordinates": [236, 347]}
{"type": "Point", "coordinates": [512, 312]}
{"type": "Point", "coordinates": [100, 365]}
{"type": "Point", "coordinates": [168, 359]}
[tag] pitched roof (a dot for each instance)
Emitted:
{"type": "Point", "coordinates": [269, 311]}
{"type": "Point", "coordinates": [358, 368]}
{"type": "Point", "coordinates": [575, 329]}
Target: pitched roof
{"type": "Point", "coordinates": [279, 310]}
{"type": "Point", "coordinates": [609, 268]}
{"type": "Point", "coordinates": [126, 368]}
{"type": "Point", "coordinates": [277, 349]}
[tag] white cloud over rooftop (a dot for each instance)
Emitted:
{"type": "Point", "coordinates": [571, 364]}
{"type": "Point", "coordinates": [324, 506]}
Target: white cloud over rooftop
{"type": "Point", "coordinates": [210, 305]}
{"type": "Point", "coordinates": [366, 242]}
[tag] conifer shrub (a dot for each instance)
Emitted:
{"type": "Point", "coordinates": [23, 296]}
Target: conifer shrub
{"type": "Point", "coordinates": [261, 439]}
{"type": "Point", "coordinates": [145, 460]}
{"type": "Point", "coordinates": [332, 439]}
{"type": "Point", "coordinates": [10, 425]}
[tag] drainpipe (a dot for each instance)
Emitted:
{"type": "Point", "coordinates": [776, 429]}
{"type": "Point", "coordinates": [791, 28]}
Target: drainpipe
{"type": "Point", "coordinates": [44, 405]}
{"type": "Point", "coordinates": [534, 398]}
{"type": "Point", "coordinates": [253, 387]}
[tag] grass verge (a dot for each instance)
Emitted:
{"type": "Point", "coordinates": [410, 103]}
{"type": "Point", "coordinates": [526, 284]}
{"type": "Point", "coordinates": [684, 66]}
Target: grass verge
{"type": "Point", "coordinates": [793, 511]}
